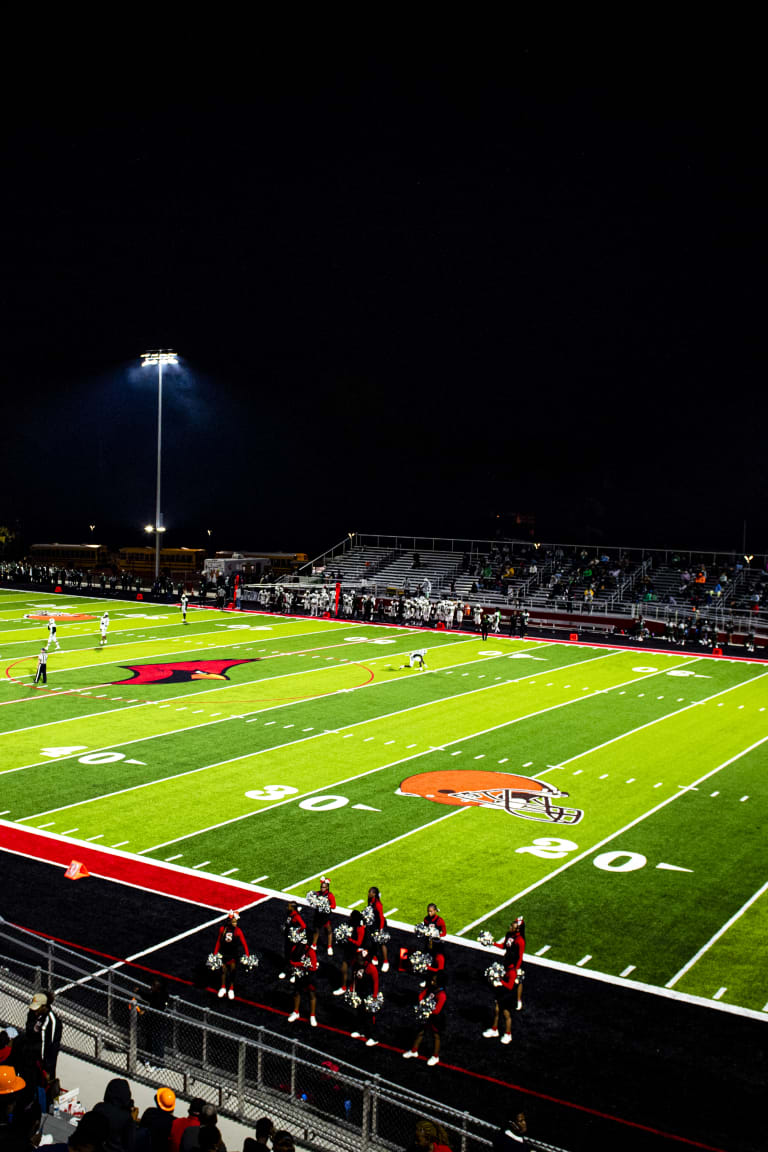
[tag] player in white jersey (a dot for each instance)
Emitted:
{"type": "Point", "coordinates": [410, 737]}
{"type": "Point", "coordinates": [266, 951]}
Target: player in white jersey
{"type": "Point", "coordinates": [417, 658]}
{"type": "Point", "coordinates": [103, 625]}
{"type": "Point", "coordinates": [184, 603]}
{"type": "Point", "coordinates": [52, 639]}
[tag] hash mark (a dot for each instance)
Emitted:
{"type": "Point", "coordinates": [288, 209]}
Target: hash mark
{"type": "Point", "coordinates": [230, 871]}
{"type": "Point", "coordinates": [719, 993]}
{"type": "Point", "coordinates": [628, 969]}
{"type": "Point", "coordinates": [743, 799]}
{"type": "Point", "coordinates": [202, 864]}
{"type": "Point", "coordinates": [178, 856]}
{"type": "Point", "coordinates": [541, 951]}
{"type": "Point", "coordinates": [583, 961]}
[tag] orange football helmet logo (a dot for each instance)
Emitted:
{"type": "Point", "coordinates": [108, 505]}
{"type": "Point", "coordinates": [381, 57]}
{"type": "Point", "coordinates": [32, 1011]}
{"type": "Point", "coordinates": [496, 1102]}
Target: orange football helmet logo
{"type": "Point", "coordinates": [522, 796]}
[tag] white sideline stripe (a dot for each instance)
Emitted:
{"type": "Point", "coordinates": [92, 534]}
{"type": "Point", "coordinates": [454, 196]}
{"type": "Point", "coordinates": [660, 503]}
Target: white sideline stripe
{"type": "Point", "coordinates": [721, 931]}
{"type": "Point", "coordinates": [137, 955]}
{"type": "Point", "coordinates": [198, 727]}
{"type": "Point", "coordinates": [277, 748]}
{"type": "Point", "coordinates": [607, 839]}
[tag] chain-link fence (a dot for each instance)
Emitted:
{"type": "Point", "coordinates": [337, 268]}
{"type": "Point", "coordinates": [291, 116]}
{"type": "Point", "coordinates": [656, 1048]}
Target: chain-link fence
{"type": "Point", "coordinates": [243, 1069]}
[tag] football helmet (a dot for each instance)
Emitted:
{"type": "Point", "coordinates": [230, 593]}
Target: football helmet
{"type": "Point", "coordinates": [522, 796]}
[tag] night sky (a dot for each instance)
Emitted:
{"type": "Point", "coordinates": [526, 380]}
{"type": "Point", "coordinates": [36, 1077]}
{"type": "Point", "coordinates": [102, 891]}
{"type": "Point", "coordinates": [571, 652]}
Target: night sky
{"type": "Point", "coordinates": [408, 298]}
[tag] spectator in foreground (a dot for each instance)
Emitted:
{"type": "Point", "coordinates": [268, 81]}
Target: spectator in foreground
{"type": "Point", "coordinates": [158, 1121]}
{"type": "Point", "coordinates": [265, 1131]}
{"type": "Point", "coordinates": [121, 1114]}
{"type": "Point", "coordinates": [195, 1138]}
{"type": "Point", "coordinates": [430, 1136]}
{"type": "Point", "coordinates": [283, 1142]}
{"type": "Point", "coordinates": [511, 1136]}
{"type": "Point", "coordinates": [181, 1123]}
{"type": "Point", "coordinates": [90, 1135]}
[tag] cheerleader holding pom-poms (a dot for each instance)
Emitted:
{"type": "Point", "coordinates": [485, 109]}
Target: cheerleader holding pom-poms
{"type": "Point", "coordinates": [351, 937]}
{"type": "Point", "coordinates": [304, 974]}
{"type": "Point", "coordinates": [294, 932]}
{"type": "Point", "coordinates": [430, 1012]}
{"type": "Point", "coordinates": [230, 946]}
{"type": "Point", "coordinates": [323, 902]}
{"type": "Point", "coordinates": [504, 978]}
{"type": "Point", "coordinates": [377, 924]}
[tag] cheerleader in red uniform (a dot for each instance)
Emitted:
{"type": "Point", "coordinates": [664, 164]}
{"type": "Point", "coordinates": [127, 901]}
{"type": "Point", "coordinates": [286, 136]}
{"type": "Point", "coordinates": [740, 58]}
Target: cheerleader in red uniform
{"type": "Point", "coordinates": [507, 1000]}
{"type": "Point", "coordinates": [434, 919]}
{"type": "Point", "coordinates": [350, 950]}
{"type": "Point", "coordinates": [304, 968]}
{"type": "Point", "coordinates": [293, 925]}
{"type": "Point", "coordinates": [323, 919]}
{"type": "Point", "coordinates": [230, 945]}
{"type": "Point", "coordinates": [434, 1023]}
{"type": "Point", "coordinates": [379, 923]}
{"type": "Point", "coordinates": [366, 983]}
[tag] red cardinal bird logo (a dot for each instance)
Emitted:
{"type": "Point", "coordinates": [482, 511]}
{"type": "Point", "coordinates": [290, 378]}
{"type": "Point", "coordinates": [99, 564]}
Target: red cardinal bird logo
{"type": "Point", "coordinates": [179, 672]}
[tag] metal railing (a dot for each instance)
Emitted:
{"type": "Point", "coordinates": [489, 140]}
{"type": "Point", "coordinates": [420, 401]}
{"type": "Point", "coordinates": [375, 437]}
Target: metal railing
{"type": "Point", "coordinates": [243, 1069]}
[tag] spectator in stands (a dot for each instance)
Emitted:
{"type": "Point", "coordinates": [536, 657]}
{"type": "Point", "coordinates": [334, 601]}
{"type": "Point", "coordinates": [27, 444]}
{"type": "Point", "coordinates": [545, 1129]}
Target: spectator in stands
{"type": "Point", "coordinates": [265, 1131]}
{"type": "Point", "coordinates": [181, 1123]}
{"type": "Point", "coordinates": [158, 1120]}
{"type": "Point", "coordinates": [283, 1142]}
{"type": "Point", "coordinates": [43, 1032]}
{"type": "Point", "coordinates": [122, 1116]}
{"type": "Point", "coordinates": [206, 1137]}
{"type": "Point", "coordinates": [90, 1135]}
{"type": "Point", "coordinates": [511, 1135]}
{"type": "Point", "coordinates": [429, 1137]}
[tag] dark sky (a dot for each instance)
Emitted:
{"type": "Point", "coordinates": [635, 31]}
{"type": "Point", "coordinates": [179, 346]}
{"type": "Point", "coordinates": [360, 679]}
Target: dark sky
{"type": "Point", "coordinates": [407, 299]}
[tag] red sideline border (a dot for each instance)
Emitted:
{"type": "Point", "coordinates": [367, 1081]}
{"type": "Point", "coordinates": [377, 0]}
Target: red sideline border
{"type": "Point", "coordinates": [149, 875]}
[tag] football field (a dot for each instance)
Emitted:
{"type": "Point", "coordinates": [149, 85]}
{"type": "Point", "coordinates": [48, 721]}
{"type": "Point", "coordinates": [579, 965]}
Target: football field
{"type": "Point", "coordinates": [618, 799]}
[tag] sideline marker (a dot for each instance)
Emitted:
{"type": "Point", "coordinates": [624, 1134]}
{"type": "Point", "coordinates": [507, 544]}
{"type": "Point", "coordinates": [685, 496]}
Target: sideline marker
{"type": "Point", "coordinates": [76, 871]}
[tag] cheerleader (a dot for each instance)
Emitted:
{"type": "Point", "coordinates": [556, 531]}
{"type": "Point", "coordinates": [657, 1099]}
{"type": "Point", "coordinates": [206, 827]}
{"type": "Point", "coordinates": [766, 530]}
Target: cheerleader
{"type": "Point", "coordinates": [350, 950]}
{"type": "Point", "coordinates": [433, 1023]}
{"type": "Point", "coordinates": [293, 925]}
{"type": "Point", "coordinates": [507, 1000]}
{"type": "Point", "coordinates": [434, 919]}
{"type": "Point", "coordinates": [229, 945]}
{"type": "Point", "coordinates": [379, 923]}
{"type": "Point", "coordinates": [365, 984]}
{"type": "Point", "coordinates": [323, 919]}
{"type": "Point", "coordinates": [304, 974]}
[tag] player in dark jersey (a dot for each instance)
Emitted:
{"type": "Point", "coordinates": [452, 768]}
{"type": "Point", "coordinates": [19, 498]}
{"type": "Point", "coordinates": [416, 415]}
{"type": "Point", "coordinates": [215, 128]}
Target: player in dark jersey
{"type": "Point", "coordinates": [230, 945]}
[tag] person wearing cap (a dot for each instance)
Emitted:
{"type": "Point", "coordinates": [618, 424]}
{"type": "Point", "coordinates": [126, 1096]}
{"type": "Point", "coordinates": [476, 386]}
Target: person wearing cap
{"type": "Point", "coordinates": [158, 1120]}
{"type": "Point", "coordinates": [231, 944]}
{"type": "Point", "coordinates": [206, 1136]}
{"type": "Point", "coordinates": [43, 1033]}
{"type": "Point", "coordinates": [181, 1123]}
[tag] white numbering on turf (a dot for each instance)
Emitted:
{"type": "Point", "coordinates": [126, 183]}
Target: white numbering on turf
{"type": "Point", "coordinates": [101, 758]}
{"type": "Point", "coordinates": [643, 669]}
{"type": "Point", "coordinates": [142, 616]}
{"type": "Point", "coordinates": [272, 792]}
{"type": "Point", "coordinates": [323, 803]}
{"type": "Point", "coordinates": [683, 672]}
{"type": "Point", "coordinates": [384, 640]}
{"type": "Point", "coordinates": [67, 751]}
{"type": "Point", "coordinates": [355, 639]}
{"type": "Point", "coordinates": [620, 861]}
{"type": "Point", "coordinates": [549, 847]}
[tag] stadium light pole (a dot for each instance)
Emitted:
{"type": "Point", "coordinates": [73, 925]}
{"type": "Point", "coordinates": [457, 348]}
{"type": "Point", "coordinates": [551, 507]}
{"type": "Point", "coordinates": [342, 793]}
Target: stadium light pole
{"type": "Point", "coordinates": [160, 358]}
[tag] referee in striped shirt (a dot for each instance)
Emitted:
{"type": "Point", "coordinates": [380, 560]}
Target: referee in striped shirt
{"type": "Point", "coordinates": [42, 666]}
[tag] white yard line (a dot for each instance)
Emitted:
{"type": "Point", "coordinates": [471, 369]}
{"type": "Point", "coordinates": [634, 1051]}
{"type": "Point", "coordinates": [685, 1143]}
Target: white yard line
{"type": "Point", "coordinates": [607, 839]}
{"type": "Point", "coordinates": [263, 751]}
{"type": "Point", "coordinates": [720, 932]}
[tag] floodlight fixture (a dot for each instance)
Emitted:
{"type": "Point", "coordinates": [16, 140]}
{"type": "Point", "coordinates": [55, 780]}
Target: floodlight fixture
{"type": "Point", "coordinates": [159, 357]}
